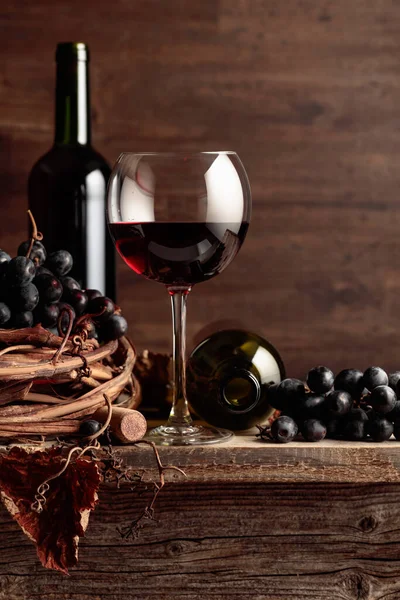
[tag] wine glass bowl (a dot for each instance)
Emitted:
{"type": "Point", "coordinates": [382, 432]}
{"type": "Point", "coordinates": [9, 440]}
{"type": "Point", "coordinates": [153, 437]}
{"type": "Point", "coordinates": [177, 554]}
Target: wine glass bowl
{"type": "Point", "coordinates": [179, 219]}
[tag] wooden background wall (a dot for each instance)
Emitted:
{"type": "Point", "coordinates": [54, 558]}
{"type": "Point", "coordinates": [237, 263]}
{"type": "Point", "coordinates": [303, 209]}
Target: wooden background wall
{"type": "Point", "coordinates": [306, 91]}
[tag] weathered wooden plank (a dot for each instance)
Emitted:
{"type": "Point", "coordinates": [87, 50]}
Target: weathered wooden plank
{"type": "Point", "coordinates": [248, 460]}
{"type": "Point", "coordinates": [275, 519]}
{"type": "Point", "coordinates": [226, 540]}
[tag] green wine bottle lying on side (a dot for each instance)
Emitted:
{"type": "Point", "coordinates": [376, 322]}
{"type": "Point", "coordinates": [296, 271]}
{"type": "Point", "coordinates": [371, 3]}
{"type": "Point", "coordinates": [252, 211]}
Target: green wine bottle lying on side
{"type": "Point", "coordinates": [228, 376]}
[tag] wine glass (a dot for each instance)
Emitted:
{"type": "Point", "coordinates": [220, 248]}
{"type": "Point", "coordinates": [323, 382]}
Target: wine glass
{"type": "Point", "coordinates": [179, 219]}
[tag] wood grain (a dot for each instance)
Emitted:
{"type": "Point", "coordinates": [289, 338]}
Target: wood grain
{"type": "Point", "coordinates": [246, 459]}
{"type": "Point", "coordinates": [219, 540]}
{"type": "Point", "coordinates": [308, 93]}
{"type": "Point", "coordinates": [251, 519]}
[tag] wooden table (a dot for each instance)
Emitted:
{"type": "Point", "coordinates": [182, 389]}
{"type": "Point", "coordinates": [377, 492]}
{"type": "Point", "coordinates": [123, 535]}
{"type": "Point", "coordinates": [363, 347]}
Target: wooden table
{"type": "Point", "coordinates": [251, 520]}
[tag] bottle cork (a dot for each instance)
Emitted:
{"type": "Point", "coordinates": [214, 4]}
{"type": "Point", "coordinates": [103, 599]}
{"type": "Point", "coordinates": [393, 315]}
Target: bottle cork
{"type": "Point", "coordinates": [126, 424]}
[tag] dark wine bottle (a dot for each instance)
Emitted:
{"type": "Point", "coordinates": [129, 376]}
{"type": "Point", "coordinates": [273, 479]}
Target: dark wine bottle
{"type": "Point", "coordinates": [228, 378]}
{"type": "Point", "coordinates": [67, 186]}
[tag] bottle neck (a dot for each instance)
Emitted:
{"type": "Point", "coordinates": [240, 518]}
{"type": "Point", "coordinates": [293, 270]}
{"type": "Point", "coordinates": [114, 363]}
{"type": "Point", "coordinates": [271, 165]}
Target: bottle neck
{"type": "Point", "coordinates": [72, 103]}
{"type": "Point", "coordinates": [240, 390]}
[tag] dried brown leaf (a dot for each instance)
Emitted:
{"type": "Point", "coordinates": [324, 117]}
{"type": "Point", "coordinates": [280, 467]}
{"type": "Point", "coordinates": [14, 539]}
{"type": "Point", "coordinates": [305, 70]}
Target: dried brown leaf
{"type": "Point", "coordinates": [71, 497]}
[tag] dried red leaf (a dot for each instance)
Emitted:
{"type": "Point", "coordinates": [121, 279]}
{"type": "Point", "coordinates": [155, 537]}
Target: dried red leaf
{"type": "Point", "coordinates": [65, 516]}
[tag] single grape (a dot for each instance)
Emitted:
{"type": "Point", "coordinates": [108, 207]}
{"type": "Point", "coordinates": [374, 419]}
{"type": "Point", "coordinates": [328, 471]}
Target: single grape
{"type": "Point", "coordinates": [394, 378]}
{"type": "Point", "coordinates": [114, 328]}
{"type": "Point", "coordinates": [320, 380]}
{"type": "Point", "coordinates": [20, 271]}
{"type": "Point", "coordinates": [354, 430]}
{"type": "Point", "coordinates": [338, 403]}
{"type": "Point", "coordinates": [313, 430]}
{"type": "Point", "coordinates": [65, 317]}
{"type": "Point", "coordinates": [357, 414]}
{"type": "Point", "coordinates": [42, 270]}
{"type": "Point", "coordinates": [351, 381]}
{"type": "Point", "coordinates": [47, 314]}
{"type": "Point", "coordinates": [101, 308]}
{"type": "Point", "coordinates": [334, 427]}
{"type": "Point", "coordinates": [38, 253]}
{"type": "Point", "coordinates": [380, 429]}
{"type": "Point", "coordinates": [69, 284]}
{"type": "Point", "coordinates": [89, 427]}
{"type": "Point", "coordinates": [283, 429]}
{"type": "Point", "coordinates": [312, 406]}
{"type": "Point", "coordinates": [373, 377]}
{"type": "Point", "coordinates": [78, 300]}
{"type": "Point", "coordinates": [5, 314]}
{"type": "Point", "coordinates": [60, 262]}
{"type": "Point", "coordinates": [22, 319]}
{"type": "Point", "coordinates": [92, 294]}
{"type": "Point", "coordinates": [24, 298]}
{"type": "Point", "coordinates": [383, 399]}
{"type": "Point", "coordinates": [50, 288]}
{"type": "Point", "coordinates": [290, 393]}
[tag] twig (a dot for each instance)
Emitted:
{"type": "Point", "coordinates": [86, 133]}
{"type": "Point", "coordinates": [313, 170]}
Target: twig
{"type": "Point", "coordinates": [14, 348]}
{"type": "Point", "coordinates": [91, 382]}
{"type": "Point", "coordinates": [107, 422]}
{"type": "Point", "coordinates": [132, 530]}
{"type": "Point", "coordinates": [44, 398]}
{"type": "Point", "coordinates": [48, 370]}
{"type": "Point", "coordinates": [39, 337]}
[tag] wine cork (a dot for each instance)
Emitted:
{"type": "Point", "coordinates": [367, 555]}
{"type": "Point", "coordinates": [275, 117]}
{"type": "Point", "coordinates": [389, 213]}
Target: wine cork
{"type": "Point", "coordinates": [126, 424]}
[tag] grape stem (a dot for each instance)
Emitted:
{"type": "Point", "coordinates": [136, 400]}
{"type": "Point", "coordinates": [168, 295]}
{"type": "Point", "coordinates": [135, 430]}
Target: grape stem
{"type": "Point", "coordinates": [264, 432]}
{"type": "Point", "coordinates": [59, 352]}
{"type": "Point", "coordinates": [35, 236]}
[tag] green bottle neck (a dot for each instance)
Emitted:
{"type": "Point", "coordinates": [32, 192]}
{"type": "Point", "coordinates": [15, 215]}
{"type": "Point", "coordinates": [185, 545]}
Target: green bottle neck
{"type": "Point", "coordinates": [72, 103]}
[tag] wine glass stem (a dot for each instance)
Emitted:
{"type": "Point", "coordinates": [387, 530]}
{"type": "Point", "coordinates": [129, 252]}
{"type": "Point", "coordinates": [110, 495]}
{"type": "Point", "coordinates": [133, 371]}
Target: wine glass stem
{"type": "Point", "coordinates": [180, 414]}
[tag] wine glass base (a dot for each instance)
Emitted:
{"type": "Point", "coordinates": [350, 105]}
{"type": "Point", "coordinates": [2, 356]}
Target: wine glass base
{"type": "Point", "coordinates": [188, 435]}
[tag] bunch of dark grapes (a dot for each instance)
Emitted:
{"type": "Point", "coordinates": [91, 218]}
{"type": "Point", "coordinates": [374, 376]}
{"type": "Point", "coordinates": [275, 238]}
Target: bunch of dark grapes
{"type": "Point", "coordinates": [351, 406]}
{"type": "Point", "coordinates": [36, 288]}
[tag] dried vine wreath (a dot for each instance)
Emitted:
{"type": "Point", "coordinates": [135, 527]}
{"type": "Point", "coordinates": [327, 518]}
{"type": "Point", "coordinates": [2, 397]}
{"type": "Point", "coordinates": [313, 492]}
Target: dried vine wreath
{"type": "Point", "coordinates": [49, 384]}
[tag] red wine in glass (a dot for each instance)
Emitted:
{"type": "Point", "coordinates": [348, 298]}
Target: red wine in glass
{"type": "Point", "coordinates": [178, 254]}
